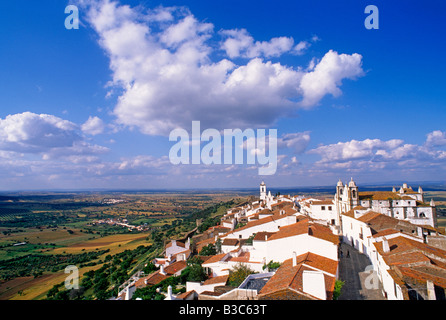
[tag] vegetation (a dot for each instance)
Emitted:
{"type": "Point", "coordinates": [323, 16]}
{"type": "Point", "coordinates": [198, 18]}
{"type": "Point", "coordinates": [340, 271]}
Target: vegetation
{"type": "Point", "coordinates": [36, 264]}
{"type": "Point", "coordinates": [208, 250]}
{"type": "Point", "coordinates": [238, 274]}
{"type": "Point", "coordinates": [272, 265]}
{"type": "Point", "coordinates": [337, 290]}
{"type": "Point", "coordinates": [104, 282]}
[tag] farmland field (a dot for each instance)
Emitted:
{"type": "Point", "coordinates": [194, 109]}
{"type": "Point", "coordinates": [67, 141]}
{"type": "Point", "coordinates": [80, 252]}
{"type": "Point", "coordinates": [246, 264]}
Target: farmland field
{"type": "Point", "coordinates": [73, 224]}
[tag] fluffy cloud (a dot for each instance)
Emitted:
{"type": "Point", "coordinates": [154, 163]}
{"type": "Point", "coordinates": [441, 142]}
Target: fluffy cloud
{"type": "Point", "coordinates": [93, 126]}
{"type": "Point", "coordinates": [436, 138]}
{"type": "Point", "coordinates": [327, 76]}
{"type": "Point", "coordinates": [163, 63]}
{"type": "Point", "coordinates": [375, 154]}
{"type": "Point", "coordinates": [354, 149]}
{"type": "Point", "coordinates": [43, 134]}
{"type": "Point", "coordinates": [297, 142]}
{"type": "Point", "coordinates": [239, 43]}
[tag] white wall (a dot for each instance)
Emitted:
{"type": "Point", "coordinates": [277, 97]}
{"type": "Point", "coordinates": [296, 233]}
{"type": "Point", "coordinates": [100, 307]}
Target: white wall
{"type": "Point", "coordinates": [280, 250]}
{"type": "Point", "coordinates": [272, 226]}
{"type": "Point", "coordinates": [199, 288]}
{"type": "Point", "coordinates": [316, 212]}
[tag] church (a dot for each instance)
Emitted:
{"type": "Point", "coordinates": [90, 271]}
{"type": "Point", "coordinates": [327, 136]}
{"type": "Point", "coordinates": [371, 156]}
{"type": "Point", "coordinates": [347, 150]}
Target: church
{"type": "Point", "coordinates": [404, 203]}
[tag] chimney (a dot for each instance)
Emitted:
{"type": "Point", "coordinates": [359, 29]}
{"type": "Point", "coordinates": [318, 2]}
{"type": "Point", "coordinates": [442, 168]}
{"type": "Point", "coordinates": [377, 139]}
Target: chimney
{"type": "Point", "coordinates": [188, 243]}
{"type": "Point", "coordinates": [294, 259]}
{"type": "Point", "coordinates": [420, 232]}
{"type": "Point", "coordinates": [174, 243]}
{"type": "Point", "coordinates": [162, 270]}
{"type": "Point", "coordinates": [432, 204]}
{"type": "Point", "coordinates": [430, 290]}
{"type": "Point", "coordinates": [169, 292]}
{"type": "Point", "coordinates": [386, 247]}
{"type": "Point", "coordinates": [313, 283]}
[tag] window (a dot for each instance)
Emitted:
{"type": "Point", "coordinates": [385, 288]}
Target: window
{"type": "Point", "coordinates": [354, 193]}
{"type": "Point", "coordinates": [323, 208]}
{"type": "Point", "coordinates": [329, 208]}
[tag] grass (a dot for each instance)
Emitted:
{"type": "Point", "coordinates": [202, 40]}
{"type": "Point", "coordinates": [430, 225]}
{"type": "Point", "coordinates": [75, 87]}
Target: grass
{"type": "Point", "coordinates": [28, 288]}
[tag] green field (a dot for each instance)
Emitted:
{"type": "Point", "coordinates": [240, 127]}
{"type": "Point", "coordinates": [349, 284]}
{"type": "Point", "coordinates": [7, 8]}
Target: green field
{"type": "Point", "coordinates": [63, 227]}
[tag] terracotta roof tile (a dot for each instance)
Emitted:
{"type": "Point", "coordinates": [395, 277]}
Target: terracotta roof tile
{"type": "Point", "coordinates": [175, 267]}
{"type": "Point", "coordinates": [178, 243]}
{"type": "Point", "coordinates": [214, 280]}
{"type": "Point", "coordinates": [230, 242]}
{"type": "Point", "coordinates": [289, 276]}
{"type": "Point", "coordinates": [215, 258]}
{"type": "Point", "coordinates": [305, 227]}
{"type": "Point", "coordinates": [185, 295]}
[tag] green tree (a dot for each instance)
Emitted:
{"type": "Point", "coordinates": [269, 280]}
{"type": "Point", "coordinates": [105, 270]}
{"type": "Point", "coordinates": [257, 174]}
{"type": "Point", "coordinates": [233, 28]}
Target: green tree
{"type": "Point", "coordinates": [196, 273]}
{"type": "Point", "coordinates": [218, 244]}
{"type": "Point", "coordinates": [208, 250]}
{"type": "Point", "coordinates": [149, 268]}
{"type": "Point", "coordinates": [337, 289]}
{"type": "Point", "coordinates": [238, 274]}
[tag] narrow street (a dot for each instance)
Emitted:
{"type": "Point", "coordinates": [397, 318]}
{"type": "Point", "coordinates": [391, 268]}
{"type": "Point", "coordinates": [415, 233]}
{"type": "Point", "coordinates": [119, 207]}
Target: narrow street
{"type": "Point", "coordinates": [352, 270]}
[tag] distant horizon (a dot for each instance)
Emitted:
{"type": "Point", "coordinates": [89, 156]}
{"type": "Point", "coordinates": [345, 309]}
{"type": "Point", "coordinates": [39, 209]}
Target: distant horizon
{"type": "Point", "coordinates": [414, 184]}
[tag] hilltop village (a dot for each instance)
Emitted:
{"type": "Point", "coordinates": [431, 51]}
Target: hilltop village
{"type": "Point", "coordinates": [292, 247]}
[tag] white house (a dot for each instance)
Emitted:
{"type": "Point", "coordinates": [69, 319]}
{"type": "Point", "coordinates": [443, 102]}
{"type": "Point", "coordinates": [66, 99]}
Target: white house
{"type": "Point", "coordinates": [303, 277]}
{"type": "Point", "coordinates": [410, 270]}
{"type": "Point", "coordinates": [300, 237]}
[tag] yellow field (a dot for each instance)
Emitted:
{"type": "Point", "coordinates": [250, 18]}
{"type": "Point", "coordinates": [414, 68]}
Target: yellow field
{"type": "Point", "coordinates": [36, 288]}
{"type": "Point", "coordinates": [116, 243]}
{"type": "Point", "coordinates": [34, 236]}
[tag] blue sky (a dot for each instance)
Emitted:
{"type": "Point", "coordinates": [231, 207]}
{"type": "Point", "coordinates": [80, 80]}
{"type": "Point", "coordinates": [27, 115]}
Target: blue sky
{"type": "Point", "coordinates": [93, 107]}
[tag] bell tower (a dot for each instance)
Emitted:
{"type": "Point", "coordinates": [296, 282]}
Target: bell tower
{"type": "Point", "coordinates": [354, 200]}
{"type": "Point", "coordinates": [262, 191]}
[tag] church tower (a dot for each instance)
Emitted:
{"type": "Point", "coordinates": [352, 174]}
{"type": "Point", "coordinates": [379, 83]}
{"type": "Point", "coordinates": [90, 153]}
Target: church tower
{"type": "Point", "coordinates": [262, 191]}
{"type": "Point", "coordinates": [347, 196]}
{"type": "Point", "coordinates": [354, 197]}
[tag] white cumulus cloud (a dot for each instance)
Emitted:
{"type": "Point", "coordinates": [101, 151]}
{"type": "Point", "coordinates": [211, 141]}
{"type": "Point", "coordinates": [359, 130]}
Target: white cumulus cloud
{"type": "Point", "coordinates": [44, 134]}
{"type": "Point", "coordinates": [164, 65]}
{"type": "Point", "coordinates": [93, 126]}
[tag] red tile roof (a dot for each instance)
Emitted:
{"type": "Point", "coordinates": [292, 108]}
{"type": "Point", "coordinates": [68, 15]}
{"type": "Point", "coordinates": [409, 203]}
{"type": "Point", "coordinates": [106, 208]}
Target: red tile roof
{"type": "Point", "coordinates": [290, 277]}
{"type": "Point", "coordinates": [305, 226]}
{"type": "Point", "coordinates": [230, 242]}
{"type": "Point", "coordinates": [185, 295]}
{"type": "Point", "coordinates": [215, 258]}
{"type": "Point", "coordinates": [152, 279]}
{"type": "Point", "coordinates": [175, 267]}
{"type": "Point", "coordinates": [215, 280]}
{"type": "Point", "coordinates": [178, 244]}
{"type": "Point", "coordinates": [411, 260]}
